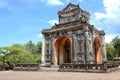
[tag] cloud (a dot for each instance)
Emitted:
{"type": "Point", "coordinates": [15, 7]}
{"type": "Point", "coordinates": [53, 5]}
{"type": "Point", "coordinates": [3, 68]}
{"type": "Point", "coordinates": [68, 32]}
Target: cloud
{"type": "Point", "coordinates": [52, 22]}
{"type": "Point", "coordinates": [3, 4]}
{"type": "Point", "coordinates": [110, 37]}
{"type": "Point", "coordinates": [68, 0]}
{"type": "Point", "coordinates": [108, 20]}
{"type": "Point", "coordinates": [53, 2]}
{"type": "Point", "coordinates": [79, 0]}
{"type": "Point", "coordinates": [40, 35]}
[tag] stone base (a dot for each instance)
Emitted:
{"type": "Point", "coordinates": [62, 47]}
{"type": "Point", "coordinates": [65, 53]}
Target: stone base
{"type": "Point", "coordinates": [45, 65]}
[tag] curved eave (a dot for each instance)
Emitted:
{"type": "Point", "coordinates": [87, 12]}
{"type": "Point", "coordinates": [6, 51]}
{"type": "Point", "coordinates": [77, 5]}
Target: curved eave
{"type": "Point", "coordinates": [75, 25]}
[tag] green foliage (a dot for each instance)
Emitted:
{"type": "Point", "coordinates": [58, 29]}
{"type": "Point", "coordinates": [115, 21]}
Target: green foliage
{"type": "Point", "coordinates": [116, 43]}
{"type": "Point", "coordinates": [110, 51]}
{"type": "Point", "coordinates": [31, 47]}
{"type": "Point", "coordinates": [39, 48]}
{"type": "Point", "coordinates": [113, 49]}
{"type": "Point", "coordinates": [17, 53]}
{"type": "Point", "coordinates": [24, 58]}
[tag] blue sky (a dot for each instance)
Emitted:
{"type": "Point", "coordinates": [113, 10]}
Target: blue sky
{"type": "Point", "coordinates": [23, 20]}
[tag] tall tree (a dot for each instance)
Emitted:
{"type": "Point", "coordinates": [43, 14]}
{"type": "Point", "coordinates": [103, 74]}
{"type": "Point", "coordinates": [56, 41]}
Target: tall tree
{"type": "Point", "coordinates": [17, 53]}
{"type": "Point", "coordinates": [116, 43]}
{"type": "Point", "coordinates": [39, 47]}
{"type": "Point", "coordinates": [3, 53]}
{"type": "Point", "coordinates": [17, 48]}
{"type": "Point", "coordinates": [31, 47]}
{"type": "Point", "coordinates": [7, 51]}
{"type": "Point", "coordinates": [110, 51]}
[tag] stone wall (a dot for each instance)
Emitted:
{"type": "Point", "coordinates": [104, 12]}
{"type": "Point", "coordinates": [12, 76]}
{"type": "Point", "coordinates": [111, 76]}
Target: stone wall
{"type": "Point", "coordinates": [79, 48]}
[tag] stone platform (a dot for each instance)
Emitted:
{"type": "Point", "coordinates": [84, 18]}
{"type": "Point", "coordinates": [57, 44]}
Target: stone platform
{"type": "Point", "coordinates": [48, 69]}
{"type": "Point", "coordinates": [97, 68]}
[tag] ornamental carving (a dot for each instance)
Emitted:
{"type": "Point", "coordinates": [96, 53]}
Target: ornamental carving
{"type": "Point", "coordinates": [85, 44]}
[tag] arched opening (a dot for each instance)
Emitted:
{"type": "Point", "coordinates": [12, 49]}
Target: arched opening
{"type": "Point", "coordinates": [62, 50]}
{"type": "Point", "coordinates": [97, 49]}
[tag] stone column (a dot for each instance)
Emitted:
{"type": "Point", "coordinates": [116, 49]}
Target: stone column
{"type": "Point", "coordinates": [86, 45]}
{"type": "Point", "coordinates": [43, 50]}
{"type": "Point", "coordinates": [93, 34]}
{"type": "Point", "coordinates": [74, 54]}
{"type": "Point", "coordinates": [72, 47]}
{"type": "Point", "coordinates": [104, 49]}
{"type": "Point", "coordinates": [51, 50]}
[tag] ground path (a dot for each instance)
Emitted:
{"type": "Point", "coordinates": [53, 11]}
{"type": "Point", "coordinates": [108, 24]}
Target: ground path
{"type": "Point", "coordinates": [29, 75]}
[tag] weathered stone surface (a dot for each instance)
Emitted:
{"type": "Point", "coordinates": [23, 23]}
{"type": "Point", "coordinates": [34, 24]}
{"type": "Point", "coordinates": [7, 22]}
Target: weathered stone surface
{"type": "Point", "coordinates": [73, 40]}
{"type": "Point", "coordinates": [72, 13]}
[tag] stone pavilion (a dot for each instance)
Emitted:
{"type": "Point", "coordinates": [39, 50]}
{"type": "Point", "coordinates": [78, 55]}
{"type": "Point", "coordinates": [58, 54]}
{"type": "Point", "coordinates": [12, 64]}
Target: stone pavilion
{"type": "Point", "coordinates": [73, 39]}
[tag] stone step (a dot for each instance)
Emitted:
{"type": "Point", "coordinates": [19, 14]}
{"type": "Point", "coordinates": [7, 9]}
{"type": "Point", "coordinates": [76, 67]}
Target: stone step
{"type": "Point", "coordinates": [47, 69]}
{"type": "Point", "coordinates": [54, 66]}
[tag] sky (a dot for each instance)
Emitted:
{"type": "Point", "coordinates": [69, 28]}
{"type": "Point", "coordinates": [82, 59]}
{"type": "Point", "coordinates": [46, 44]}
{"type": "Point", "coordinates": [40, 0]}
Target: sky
{"type": "Point", "coordinates": [23, 20]}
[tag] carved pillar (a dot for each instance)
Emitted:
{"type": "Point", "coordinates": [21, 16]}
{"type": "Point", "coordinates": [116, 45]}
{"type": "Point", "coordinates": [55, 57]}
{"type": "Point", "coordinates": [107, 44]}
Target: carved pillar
{"type": "Point", "coordinates": [43, 50]}
{"type": "Point", "coordinates": [86, 45]}
{"type": "Point", "coordinates": [104, 49]}
{"type": "Point", "coordinates": [52, 50]}
{"type": "Point", "coordinates": [45, 54]}
{"type": "Point", "coordinates": [91, 51]}
{"type": "Point", "coordinates": [93, 47]}
{"type": "Point", "coordinates": [74, 48]}
{"type": "Point", "coordinates": [72, 51]}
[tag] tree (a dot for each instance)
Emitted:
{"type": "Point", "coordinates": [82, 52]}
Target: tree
{"type": "Point", "coordinates": [116, 43]}
{"type": "Point", "coordinates": [25, 53]}
{"type": "Point", "coordinates": [110, 51]}
{"type": "Point", "coordinates": [3, 53]}
{"type": "Point", "coordinates": [31, 47]}
{"type": "Point", "coordinates": [18, 53]}
{"type": "Point", "coordinates": [39, 47]}
{"type": "Point", "coordinates": [17, 48]}
{"type": "Point", "coordinates": [6, 52]}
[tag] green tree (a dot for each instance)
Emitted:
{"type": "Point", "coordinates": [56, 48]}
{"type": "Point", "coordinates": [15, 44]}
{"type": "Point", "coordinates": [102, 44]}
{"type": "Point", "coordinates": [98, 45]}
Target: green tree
{"type": "Point", "coordinates": [5, 52]}
{"type": "Point", "coordinates": [110, 51]}
{"type": "Point", "coordinates": [116, 43]}
{"type": "Point", "coordinates": [31, 47]}
{"type": "Point", "coordinates": [39, 48]}
{"type": "Point", "coordinates": [18, 53]}
{"type": "Point", "coordinates": [18, 50]}
{"type": "Point", "coordinates": [24, 55]}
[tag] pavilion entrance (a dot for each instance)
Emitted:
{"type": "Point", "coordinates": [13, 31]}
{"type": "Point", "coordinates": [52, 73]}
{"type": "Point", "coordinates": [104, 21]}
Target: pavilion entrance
{"type": "Point", "coordinates": [62, 50]}
{"type": "Point", "coordinates": [97, 49]}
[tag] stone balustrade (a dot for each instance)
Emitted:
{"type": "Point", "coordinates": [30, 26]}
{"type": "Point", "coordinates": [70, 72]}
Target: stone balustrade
{"type": "Point", "coordinates": [26, 67]}
{"type": "Point", "coordinates": [73, 67]}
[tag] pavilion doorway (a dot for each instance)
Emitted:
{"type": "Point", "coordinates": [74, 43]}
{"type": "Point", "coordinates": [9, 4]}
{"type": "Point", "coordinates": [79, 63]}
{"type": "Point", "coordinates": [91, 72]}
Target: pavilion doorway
{"type": "Point", "coordinates": [62, 52]}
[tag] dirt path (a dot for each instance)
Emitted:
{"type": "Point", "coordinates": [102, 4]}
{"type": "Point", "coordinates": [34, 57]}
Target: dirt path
{"type": "Point", "coordinates": [22, 75]}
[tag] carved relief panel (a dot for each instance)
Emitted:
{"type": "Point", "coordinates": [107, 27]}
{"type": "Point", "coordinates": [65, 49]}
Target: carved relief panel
{"type": "Point", "coordinates": [79, 46]}
{"type": "Point", "coordinates": [47, 48]}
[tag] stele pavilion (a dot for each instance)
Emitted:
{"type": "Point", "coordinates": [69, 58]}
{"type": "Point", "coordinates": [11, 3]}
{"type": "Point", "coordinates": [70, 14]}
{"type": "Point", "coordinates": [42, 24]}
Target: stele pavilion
{"type": "Point", "coordinates": [73, 39]}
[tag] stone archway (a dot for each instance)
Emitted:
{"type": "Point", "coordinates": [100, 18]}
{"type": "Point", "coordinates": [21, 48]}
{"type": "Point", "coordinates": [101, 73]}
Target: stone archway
{"type": "Point", "coordinates": [97, 49]}
{"type": "Point", "coordinates": [62, 50]}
